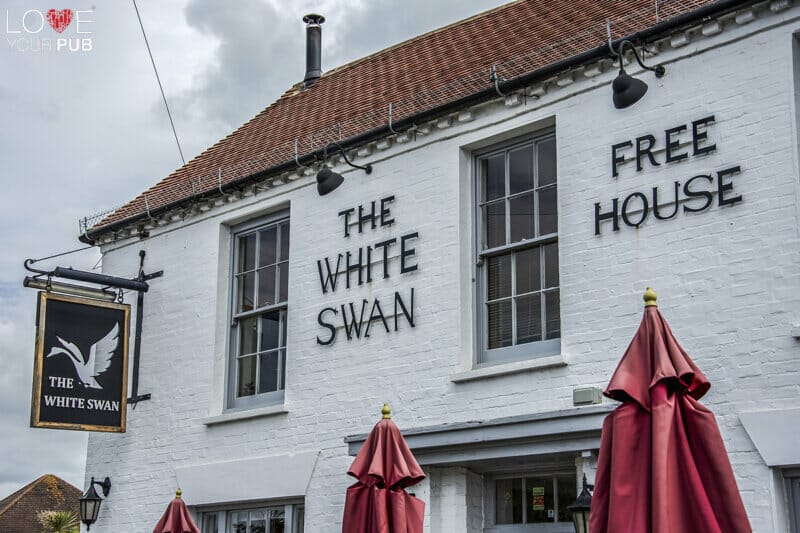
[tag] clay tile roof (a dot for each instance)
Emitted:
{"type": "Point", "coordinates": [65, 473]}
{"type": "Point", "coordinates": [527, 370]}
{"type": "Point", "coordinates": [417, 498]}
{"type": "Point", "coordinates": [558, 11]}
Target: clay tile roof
{"type": "Point", "coordinates": [48, 493]}
{"type": "Point", "coordinates": [416, 76]}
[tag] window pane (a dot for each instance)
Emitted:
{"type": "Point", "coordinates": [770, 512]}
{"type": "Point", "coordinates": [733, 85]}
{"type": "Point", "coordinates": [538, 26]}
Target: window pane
{"type": "Point", "coordinates": [270, 328]}
{"type": "Point", "coordinates": [269, 372]}
{"type": "Point", "coordinates": [548, 211]}
{"type": "Point", "coordinates": [521, 170]}
{"type": "Point", "coordinates": [551, 265]}
{"type": "Point", "coordinates": [529, 318]}
{"type": "Point", "coordinates": [276, 521]}
{"type": "Point", "coordinates": [551, 309]}
{"type": "Point", "coordinates": [247, 376]}
{"type": "Point", "coordinates": [267, 251]}
{"type": "Point", "coordinates": [248, 336]}
{"type": "Point", "coordinates": [283, 290]}
{"type": "Point", "coordinates": [528, 271]}
{"type": "Point", "coordinates": [257, 522]}
{"type": "Point", "coordinates": [493, 170]}
{"type": "Point", "coordinates": [521, 208]}
{"type": "Point", "coordinates": [508, 501]}
{"type": "Point", "coordinates": [547, 162]}
{"type": "Point", "coordinates": [266, 286]}
{"type": "Point", "coordinates": [247, 253]}
{"type": "Point", "coordinates": [498, 277]}
{"type": "Point", "coordinates": [284, 242]}
{"type": "Point", "coordinates": [540, 500]}
{"type": "Point", "coordinates": [245, 287]}
{"type": "Point", "coordinates": [567, 492]}
{"type": "Point", "coordinates": [499, 315]}
{"type": "Point", "coordinates": [209, 523]}
{"type": "Point", "coordinates": [238, 523]}
{"type": "Point", "coordinates": [299, 519]}
{"type": "Point", "coordinates": [495, 224]}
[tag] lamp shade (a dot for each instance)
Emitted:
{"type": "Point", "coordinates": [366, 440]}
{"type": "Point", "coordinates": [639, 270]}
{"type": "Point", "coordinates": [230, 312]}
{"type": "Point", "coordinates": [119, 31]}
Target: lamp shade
{"type": "Point", "coordinates": [328, 180]}
{"type": "Point", "coordinates": [627, 90]}
{"type": "Point", "coordinates": [90, 506]}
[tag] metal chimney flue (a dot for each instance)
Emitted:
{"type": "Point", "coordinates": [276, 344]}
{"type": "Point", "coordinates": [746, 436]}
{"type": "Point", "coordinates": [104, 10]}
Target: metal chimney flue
{"type": "Point", "coordinates": [313, 48]}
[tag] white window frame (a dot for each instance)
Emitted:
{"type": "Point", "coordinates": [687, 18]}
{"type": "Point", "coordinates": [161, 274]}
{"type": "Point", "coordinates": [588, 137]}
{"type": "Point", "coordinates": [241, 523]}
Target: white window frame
{"type": "Point", "coordinates": [791, 478]}
{"type": "Point", "coordinates": [292, 510]}
{"type": "Point", "coordinates": [272, 397]}
{"type": "Point", "coordinates": [516, 352]}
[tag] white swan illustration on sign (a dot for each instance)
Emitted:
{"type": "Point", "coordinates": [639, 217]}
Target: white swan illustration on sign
{"type": "Point", "coordinates": [99, 359]}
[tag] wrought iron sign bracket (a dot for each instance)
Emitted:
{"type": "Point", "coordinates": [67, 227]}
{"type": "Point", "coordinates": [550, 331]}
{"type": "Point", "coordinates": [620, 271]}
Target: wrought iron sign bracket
{"type": "Point", "coordinates": [138, 284]}
{"type": "Point", "coordinates": [135, 397]}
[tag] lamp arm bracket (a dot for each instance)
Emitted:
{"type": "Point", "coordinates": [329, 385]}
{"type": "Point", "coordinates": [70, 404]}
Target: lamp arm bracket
{"type": "Point", "coordinates": [367, 168]}
{"type": "Point", "coordinates": [658, 69]}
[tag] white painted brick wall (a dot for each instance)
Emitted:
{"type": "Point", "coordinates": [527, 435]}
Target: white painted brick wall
{"type": "Point", "coordinates": [727, 279]}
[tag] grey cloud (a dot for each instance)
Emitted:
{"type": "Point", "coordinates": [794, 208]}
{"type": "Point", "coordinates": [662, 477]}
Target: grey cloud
{"type": "Point", "coordinates": [28, 453]}
{"type": "Point", "coordinates": [262, 51]}
{"type": "Point", "coordinates": [255, 59]}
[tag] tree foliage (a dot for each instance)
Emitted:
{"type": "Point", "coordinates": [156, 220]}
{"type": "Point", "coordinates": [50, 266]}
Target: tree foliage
{"type": "Point", "coordinates": [59, 522]}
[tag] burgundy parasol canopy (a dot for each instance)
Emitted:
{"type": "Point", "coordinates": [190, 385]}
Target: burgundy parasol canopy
{"type": "Point", "coordinates": [384, 467]}
{"type": "Point", "coordinates": [662, 466]}
{"type": "Point", "coordinates": [176, 518]}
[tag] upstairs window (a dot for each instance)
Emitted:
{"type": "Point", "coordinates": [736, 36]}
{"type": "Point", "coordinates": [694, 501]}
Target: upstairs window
{"type": "Point", "coordinates": [260, 288]}
{"type": "Point", "coordinates": [517, 234]}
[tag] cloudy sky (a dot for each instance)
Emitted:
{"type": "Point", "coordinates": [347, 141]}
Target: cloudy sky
{"type": "Point", "coordinates": [85, 131]}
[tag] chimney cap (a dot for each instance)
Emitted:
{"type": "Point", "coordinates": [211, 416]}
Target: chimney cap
{"type": "Point", "coordinates": [313, 18]}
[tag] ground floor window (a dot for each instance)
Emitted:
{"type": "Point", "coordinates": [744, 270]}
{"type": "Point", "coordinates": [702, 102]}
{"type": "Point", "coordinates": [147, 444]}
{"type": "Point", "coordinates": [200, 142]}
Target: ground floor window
{"type": "Point", "coordinates": [792, 479]}
{"type": "Point", "coordinates": [536, 502]}
{"type": "Point", "coordinates": [284, 518]}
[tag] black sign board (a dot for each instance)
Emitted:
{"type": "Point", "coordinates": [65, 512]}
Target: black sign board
{"type": "Point", "coordinates": [80, 377]}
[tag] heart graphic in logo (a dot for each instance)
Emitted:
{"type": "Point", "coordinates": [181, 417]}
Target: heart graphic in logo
{"type": "Point", "coordinates": [59, 20]}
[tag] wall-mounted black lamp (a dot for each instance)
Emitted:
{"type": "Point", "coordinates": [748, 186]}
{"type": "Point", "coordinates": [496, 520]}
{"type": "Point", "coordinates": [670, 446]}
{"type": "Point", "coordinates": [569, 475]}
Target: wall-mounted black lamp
{"type": "Point", "coordinates": [327, 179]}
{"type": "Point", "coordinates": [628, 90]}
{"type": "Point", "coordinates": [90, 502]}
{"type": "Point", "coordinates": [580, 509]}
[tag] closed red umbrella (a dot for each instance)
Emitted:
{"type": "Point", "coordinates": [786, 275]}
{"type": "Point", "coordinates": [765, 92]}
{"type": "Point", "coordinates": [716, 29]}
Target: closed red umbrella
{"type": "Point", "coordinates": [662, 466]}
{"type": "Point", "coordinates": [384, 467]}
{"type": "Point", "coordinates": [176, 518]}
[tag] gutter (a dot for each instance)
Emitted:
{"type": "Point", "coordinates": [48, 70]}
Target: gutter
{"type": "Point", "coordinates": [709, 11]}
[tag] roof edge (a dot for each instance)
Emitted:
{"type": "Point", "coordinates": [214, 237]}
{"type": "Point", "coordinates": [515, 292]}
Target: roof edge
{"type": "Point", "coordinates": [716, 9]}
{"type": "Point", "coordinates": [22, 491]}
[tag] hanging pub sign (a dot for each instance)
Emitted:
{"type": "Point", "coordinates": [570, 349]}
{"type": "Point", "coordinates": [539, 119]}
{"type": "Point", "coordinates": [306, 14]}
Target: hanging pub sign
{"type": "Point", "coordinates": [80, 377]}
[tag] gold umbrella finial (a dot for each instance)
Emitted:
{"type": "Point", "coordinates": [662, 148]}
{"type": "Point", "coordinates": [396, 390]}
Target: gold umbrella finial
{"type": "Point", "coordinates": [386, 412]}
{"type": "Point", "coordinates": [178, 493]}
{"type": "Point", "coordinates": [650, 298]}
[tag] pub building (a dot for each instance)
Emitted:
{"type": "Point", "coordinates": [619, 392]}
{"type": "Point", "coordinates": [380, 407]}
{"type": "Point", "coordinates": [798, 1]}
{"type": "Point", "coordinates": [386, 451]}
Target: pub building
{"type": "Point", "coordinates": [462, 226]}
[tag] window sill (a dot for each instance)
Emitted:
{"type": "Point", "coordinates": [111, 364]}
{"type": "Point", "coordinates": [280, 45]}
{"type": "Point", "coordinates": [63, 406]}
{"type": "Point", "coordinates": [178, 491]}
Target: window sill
{"type": "Point", "coordinates": [516, 367]}
{"type": "Point", "coordinates": [245, 415]}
